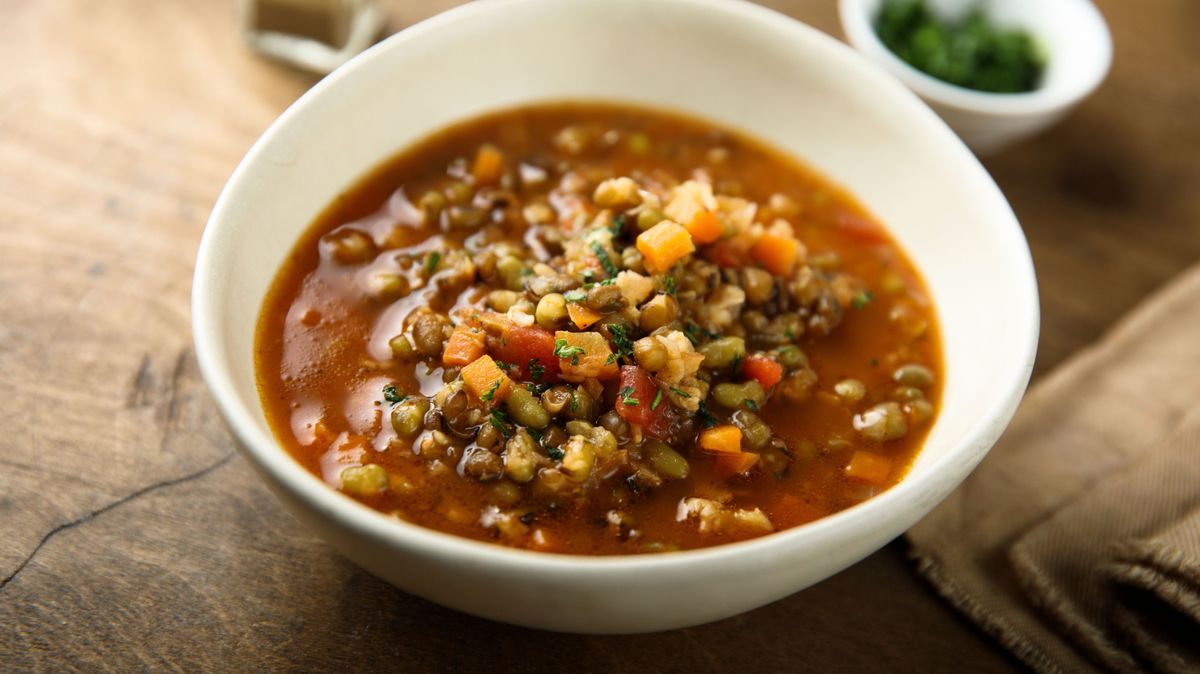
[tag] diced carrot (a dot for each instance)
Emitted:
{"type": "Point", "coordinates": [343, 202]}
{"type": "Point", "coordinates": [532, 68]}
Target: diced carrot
{"type": "Point", "coordinates": [729, 464]}
{"type": "Point", "coordinates": [486, 381]}
{"type": "Point", "coordinates": [664, 244]}
{"type": "Point", "coordinates": [766, 371]}
{"type": "Point", "coordinates": [464, 346]}
{"type": "Point", "coordinates": [726, 438]}
{"type": "Point", "coordinates": [581, 316]}
{"type": "Point", "coordinates": [869, 467]}
{"type": "Point", "coordinates": [488, 166]}
{"type": "Point", "coordinates": [584, 355]}
{"type": "Point", "coordinates": [776, 252]}
{"type": "Point", "coordinates": [705, 227]}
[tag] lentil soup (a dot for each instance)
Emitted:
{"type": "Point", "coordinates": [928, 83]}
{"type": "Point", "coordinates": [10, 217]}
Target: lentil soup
{"type": "Point", "coordinates": [597, 329]}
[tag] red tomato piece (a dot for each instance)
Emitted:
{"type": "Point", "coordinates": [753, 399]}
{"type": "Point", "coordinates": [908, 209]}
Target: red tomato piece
{"type": "Point", "coordinates": [766, 371]}
{"type": "Point", "coordinates": [520, 345]}
{"type": "Point", "coordinates": [636, 395]}
{"type": "Point", "coordinates": [726, 254]}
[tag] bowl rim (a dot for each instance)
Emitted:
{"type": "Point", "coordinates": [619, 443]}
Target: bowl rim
{"type": "Point", "coordinates": [267, 455]}
{"type": "Point", "coordinates": [860, 33]}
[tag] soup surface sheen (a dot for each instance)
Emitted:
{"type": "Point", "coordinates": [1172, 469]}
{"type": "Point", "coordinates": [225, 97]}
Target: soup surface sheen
{"type": "Point", "coordinates": [596, 329]}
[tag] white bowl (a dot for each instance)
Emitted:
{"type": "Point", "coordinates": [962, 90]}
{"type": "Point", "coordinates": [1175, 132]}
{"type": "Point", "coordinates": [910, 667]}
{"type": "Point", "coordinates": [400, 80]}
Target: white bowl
{"type": "Point", "coordinates": [1079, 52]}
{"type": "Point", "coordinates": [734, 63]}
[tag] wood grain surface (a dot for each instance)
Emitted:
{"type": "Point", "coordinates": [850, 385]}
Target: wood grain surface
{"type": "Point", "coordinates": [133, 538]}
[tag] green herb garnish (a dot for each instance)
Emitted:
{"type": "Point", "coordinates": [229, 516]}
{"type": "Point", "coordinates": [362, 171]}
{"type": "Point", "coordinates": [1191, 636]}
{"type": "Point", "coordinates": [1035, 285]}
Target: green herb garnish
{"type": "Point", "coordinates": [620, 339]}
{"type": "Point", "coordinates": [491, 393]}
{"type": "Point", "coordinates": [693, 333]}
{"type": "Point", "coordinates": [555, 453]}
{"type": "Point", "coordinates": [680, 393]}
{"type": "Point", "coordinates": [617, 225]}
{"type": "Point", "coordinates": [706, 419]}
{"type": "Point", "coordinates": [393, 396]}
{"type": "Point", "coordinates": [431, 262]}
{"type": "Point", "coordinates": [565, 351]}
{"type": "Point", "coordinates": [536, 369]}
{"type": "Point", "coordinates": [576, 295]}
{"type": "Point", "coordinates": [751, 405]}
{"type": "Point", "coordinates": [861, 299]}
{"type": "Point", "coordinates": [602, 255]}
{"type": "Point", "coordinates": [657, 400]}
{"type": "Point", "coordinates": [670, 285]}
{"type": "Point", "coordinates": [499, 420]}
{"type": "Point", "coordinates": [626, 396]}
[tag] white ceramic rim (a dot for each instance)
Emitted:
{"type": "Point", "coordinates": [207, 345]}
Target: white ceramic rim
{"type": "Point", "coordinates": [273, 459]}
{"type": "Point", "coordinates": [861, 34]}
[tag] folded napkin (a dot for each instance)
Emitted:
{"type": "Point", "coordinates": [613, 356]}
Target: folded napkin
{"type": "Point", "coordinates": [1076, 543]}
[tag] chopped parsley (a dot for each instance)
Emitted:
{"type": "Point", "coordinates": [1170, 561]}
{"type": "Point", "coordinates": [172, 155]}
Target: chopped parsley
{"type": "Point", "coordinates": [657, 400]}
{"type": "Point", "coordinates": [555, 453]}
{"type": "Point", "coordinates": [536, 369]}
{"type": "Point", "coordinates": [504, 366]}
{"type": "Point", "coordinates": [626, 396]}
{"type": "Point", "coordinates": [620, 339]}
{"type": "Point", "coordinates": [587, 275]}
{"type": "Point", "coordinates": [706, 418]}
{"type": "Point", "coordinates": [534, 433]}
{"type": "Point", "coordinates": [862, 299]}
{"type": "Point", "coordinates": [564, 350]}
{"type": "Point", "coordinates": [612, 358]}
{"type": "Point", "coordinates": [602, 255]}
{"type": "Point", "coordinates": [736, 366]}
{"type": "Point", "coordinates": [576, 295]}
{"type": "Point", "coordinates": [751, 405]}
{"type": "Point", "coordinates": [693, 333]}
{"type": "Point", "coordinates": [491, 393]}
{"type": "Point", "coordinates": [431, 262]}
{"type": "Point", "coordinates": [499, 420]}
{"type": "Point", "coordinates": [670, 285]}
{"type": "Point", "coordinates": [393, 396]}
{"type": "Point", "coordinates": [617, 225]}
{"type": "Point", "coordinates": [680, 393]}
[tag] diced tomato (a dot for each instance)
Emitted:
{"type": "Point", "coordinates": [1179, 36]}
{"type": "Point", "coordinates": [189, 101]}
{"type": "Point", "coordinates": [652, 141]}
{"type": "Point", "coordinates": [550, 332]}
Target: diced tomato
{"type": "Point", "coordinates": [520, 345]}
{"type": "Point", "coordinates": [766, 371]}
{"type": "Point", "coordinates": [661, 421]}
{"type": "Point", "coordinates": [726, 254]}
{"type": "Point", "coordinates": [637, 385]}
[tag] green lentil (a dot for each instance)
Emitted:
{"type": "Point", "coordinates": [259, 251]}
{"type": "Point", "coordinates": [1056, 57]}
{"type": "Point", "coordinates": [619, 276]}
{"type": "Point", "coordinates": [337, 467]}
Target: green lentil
{"type": "Point", "coordinates": [368, 480]}
{"type": "Point", "coordinates": [666, 461]}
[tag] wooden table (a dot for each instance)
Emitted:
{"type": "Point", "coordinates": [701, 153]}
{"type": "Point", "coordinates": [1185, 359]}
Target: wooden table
{"type": "Point", "coordinates": [131, 535]}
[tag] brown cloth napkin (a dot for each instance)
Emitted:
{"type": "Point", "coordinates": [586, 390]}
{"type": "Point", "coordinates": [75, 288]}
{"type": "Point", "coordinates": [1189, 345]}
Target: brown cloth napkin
{"type": "Point", "coordinates": [1076, 542]}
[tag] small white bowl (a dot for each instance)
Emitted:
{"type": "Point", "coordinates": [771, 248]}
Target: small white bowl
{"type": "Point", "coordinates": [1079, 53]}
{"type": "Point", "coordinates": [734, 63]}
